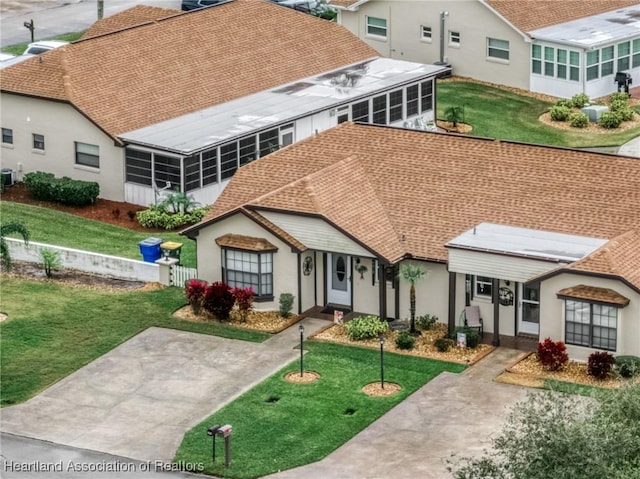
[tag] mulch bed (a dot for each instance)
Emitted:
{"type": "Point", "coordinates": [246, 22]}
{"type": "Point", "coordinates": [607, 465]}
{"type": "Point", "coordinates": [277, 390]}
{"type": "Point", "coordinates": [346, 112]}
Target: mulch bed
{"type": "Point", "coordinates": [376, 389]}
{"type": "Point", "coordinates": [266, 321]}
{"type": "Point", "coordinates": [306, 378]}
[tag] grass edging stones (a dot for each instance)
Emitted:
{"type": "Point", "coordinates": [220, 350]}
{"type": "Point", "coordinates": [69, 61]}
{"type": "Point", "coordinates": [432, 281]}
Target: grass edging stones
{"type": "Point", "coordinates": [307, 421]}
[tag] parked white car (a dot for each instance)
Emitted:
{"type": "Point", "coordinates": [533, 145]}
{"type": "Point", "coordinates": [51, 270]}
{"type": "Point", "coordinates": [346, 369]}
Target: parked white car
{"type": "Point", "coordinates": [44, 46]}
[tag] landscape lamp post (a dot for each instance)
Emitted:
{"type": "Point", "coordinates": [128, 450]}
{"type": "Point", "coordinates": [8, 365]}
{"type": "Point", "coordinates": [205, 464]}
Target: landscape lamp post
{"type": "Point", "coordinates": [381, 339]}
{"type": "Point", "coordinates": [301, 327]}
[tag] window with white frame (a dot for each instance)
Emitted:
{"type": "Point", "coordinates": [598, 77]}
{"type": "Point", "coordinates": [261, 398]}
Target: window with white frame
{"type": "Point", "coordinates": [87, 155]}
{"type": "Point", "coordinates": [425, 33]}
{"type": "Point", "coordinates": [624, 54]}
{"type": "Point", "coordinates": [635, 47]}
{"type": "Point", "coordinates": [593, 65]}
{"type": "Point", "coordinates": [7, 136]}
{"type": "Point", "coordinates": [395, 105]}
{"type": "Point", "coordinates": [242, 269]}
{"type": "Point", "coordinates": [497, 48]}
{"type": "Point", "coordinates": [38, 142]}
{"type": "Point", "coordinates": [454, 38]}
{"type": "Point", "coordinates": [483, 286]}
{"type": "Point", "coordinates": [379, 116]}
{"type": "Point", "coordinates": [377, 27]}
{"type": "Point", "coordinates": [549, 61]}
{"type": "Point", "coordinates": [592, 325]}
{"type": "Point", "coordinates": [555, 62]}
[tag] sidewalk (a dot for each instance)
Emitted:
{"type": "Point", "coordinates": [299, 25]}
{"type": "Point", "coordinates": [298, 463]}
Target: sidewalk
{"type": "Point", "coordinates": [631, 148]}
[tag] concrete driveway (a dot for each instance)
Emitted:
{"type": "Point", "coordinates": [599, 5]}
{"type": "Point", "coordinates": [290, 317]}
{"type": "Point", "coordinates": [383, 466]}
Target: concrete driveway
{"type": "Point", "coordinates": [139, 399]}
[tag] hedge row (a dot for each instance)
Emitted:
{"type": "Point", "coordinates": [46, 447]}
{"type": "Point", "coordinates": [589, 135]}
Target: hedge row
{"type": "Point", "coordinates": [46, 187]}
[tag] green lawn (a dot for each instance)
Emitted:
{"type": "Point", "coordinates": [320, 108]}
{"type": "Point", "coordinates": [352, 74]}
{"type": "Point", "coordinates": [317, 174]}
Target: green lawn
{"type": "Point", "coordinates": [72, 231]}
{"type": "Point", "coordinates": [307, 421]}
{"type": "Point", "coordinates": [54, 330]}
{"type": "Point", "coordinates": [498, 113]}
{"type": "Point", "coordinates": [21, 47]}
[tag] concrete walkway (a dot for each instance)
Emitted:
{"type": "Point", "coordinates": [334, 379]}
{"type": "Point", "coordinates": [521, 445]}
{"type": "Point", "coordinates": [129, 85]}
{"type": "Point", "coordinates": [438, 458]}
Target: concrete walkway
{"type": "Point", "coordinates": [453, 414]}
{"type": "Point", "coordinates": [139, 399]}
{"type": "Point", "coordinates": [631, 148]}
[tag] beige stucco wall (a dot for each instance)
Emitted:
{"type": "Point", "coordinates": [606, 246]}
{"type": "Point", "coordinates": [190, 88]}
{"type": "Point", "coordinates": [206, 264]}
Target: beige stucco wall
{"type": "Point", "coordinates": [432, 293]}
{"type": "Point", "coordinates": [552, 313]}
{"type": "Point", "coordinates": [472, 20]}
{"type": "Point", "coordinates": [61, 126]}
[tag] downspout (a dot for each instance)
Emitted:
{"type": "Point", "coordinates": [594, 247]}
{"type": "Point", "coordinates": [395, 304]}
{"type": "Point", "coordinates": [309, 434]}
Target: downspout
{"type": "Point", "coordinates": [382, 290]}
{"type": "Point", "coordinates": [495, 284]}
{"type": "Point", "coordinates": [452, 302]}
{"type": "Point", "coordinates": [299, 283]}
{"type": "Point", "coordinates": [442, 26]}
{"type": "Point", "coordinates": [315, 279]}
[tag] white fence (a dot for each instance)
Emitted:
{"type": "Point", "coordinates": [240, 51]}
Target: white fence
{"type": "Point", "coordinates": [180, 274]}
{"type": "Point", "coordinates": [95, 263]}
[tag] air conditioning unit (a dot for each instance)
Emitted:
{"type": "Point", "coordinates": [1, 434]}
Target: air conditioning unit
{"type": "Point", "coordinates": [8, 176]}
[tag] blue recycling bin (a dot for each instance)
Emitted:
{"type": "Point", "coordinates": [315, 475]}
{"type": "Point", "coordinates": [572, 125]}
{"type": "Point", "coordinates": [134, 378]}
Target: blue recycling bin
{"type": "Point", "coordinates": [150, 249]}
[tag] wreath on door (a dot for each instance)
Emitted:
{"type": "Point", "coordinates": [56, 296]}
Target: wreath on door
{"type": "Point", "coordinates": [505, 297]}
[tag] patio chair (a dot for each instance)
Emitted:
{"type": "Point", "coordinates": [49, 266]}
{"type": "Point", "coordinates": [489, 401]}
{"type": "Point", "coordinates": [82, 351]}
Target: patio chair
{"type": "Point", "coordinates": [472, 319]}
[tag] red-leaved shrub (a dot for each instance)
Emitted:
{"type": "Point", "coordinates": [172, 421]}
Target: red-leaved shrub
{"type": "Point", "coordinates": [244, 300]}
{"type": "Point", "coordinates": [219, 300]}
{"type": "Point", "coordinates": [600, 364]}
{"type": "Point", "coordinates": [552, 354]}
{"type": "Point", "coordinates": [194, 290]}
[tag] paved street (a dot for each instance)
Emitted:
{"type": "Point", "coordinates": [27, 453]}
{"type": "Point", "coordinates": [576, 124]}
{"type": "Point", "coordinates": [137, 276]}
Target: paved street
{"type": "Point", "coordinates": [56, 17]}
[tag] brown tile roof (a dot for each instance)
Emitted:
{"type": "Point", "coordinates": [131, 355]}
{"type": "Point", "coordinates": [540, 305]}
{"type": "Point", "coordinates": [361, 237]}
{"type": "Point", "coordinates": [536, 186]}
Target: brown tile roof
{"type": "Point", "coordinates": [592, 293]}
{"type": "Point", "coordinates": [128, 18]}
{"type": "Point", "coordinates": [193, 60]}
{"type": "Point", "coordinates": [528, 15]}
{"type": "Point", "coordinates": [245, 242]}
{"type": "Point", "coordinates": [380, 183]}
{"type": "Point", "coordinates": [342, 3]}
{"type": "Point", "coordinates": [619, 257]}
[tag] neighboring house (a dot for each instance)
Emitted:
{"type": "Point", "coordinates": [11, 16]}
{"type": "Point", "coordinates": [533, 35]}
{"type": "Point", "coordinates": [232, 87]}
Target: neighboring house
{"type": "Point", "coordinates": [153, 99]}
{"type": "Point", "coordinates": [556, 47]}
{"type": "Point", "coordinates": [546, 241]}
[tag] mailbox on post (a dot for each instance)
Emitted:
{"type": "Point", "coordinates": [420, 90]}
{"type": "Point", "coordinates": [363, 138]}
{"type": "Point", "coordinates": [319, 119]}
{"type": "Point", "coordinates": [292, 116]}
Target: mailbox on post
{"type": "Point", "coordinates": [225, 432]}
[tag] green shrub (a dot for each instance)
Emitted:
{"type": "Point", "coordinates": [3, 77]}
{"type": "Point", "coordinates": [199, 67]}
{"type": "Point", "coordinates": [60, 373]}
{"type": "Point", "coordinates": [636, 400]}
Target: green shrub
{"type": "Point", "coordinates": [580, 100]}
{"type": "Point", "coordinates": [158, 216]}
{"type": "Point", "coordinates": [627, 366]}
{"type": "Point", "coordinates": [565, 102]}
{"type": "Point", "coordinates": [618, 104]}
{"type": "Point", "coordinates": [179, 202]}
{"type": "Point", "coordinates": [426, 321]}
{"type": "Point", "coordinates": [473, 335]}
{"type": "Point", "coordinates": [610, 119]}
{"type": "Point", "coordinates": [405, 341]}
{"type": "Point", "coordinates": [366, 327]}
{"type": "Point", "coordinates": [559, 113]}
{"type": "Point", "coordinates": [619, 97]}
{"type": "Point", "coordinates": [46, 187]}
{"type": "Point", "coordinates": [286, 304]}
{"type": "Point", "coordinates": [579, 120]}
{"type": "Point", "coordinates": [627, 114]}
{"type": "Point", "coordinates": [50, 261]}
{"type": "Point", "coordinates": [552, 354]}
{"type": "Point", "coordinates": [600, 364]}
{"type": "Point", "coordinates": [443, 344]}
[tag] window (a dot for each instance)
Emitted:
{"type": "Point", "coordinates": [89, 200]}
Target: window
{"type": "Point", "coordinates": [591, 325]}
{"type": "Point", "coordinates": [138, 167]}
{"type": "Point", "coordinates": [228, 160]}
{"type": "Point", "coordinates": [536, 59]}
{"type": "Point", "coordinates": [248, 150]}
{"type": "Point", "coordinates": [574, 66]}
{"type": "Point", "coordinates": [192, 173]}
{"type": "Point", "coordinates": [497, 48]}
{"type": "Point", "coordinates": [606, 67]}
{"type": "Point", "coordinates": [87, 155]}
{"type": "Point", "coordinates": [593, 65]}
{"type": "Point", "coordinates": [377, 27]}
{"type": "Point", "coordinates": [360, 111]}
{"type": "Point", "coordinates": [286, 135]}
{"type": "Point", "coordinates": [209, 167]}
{"type": "Point", "coordinates": [549, 63]}
{"type": "Point", "coordinates": [454, 38]}
{"type": "Point", "coordinates": [484, 286]}
{"type": "Point", "coordinates": [624, 52]}
{"type": "Point", "coordinates": [426, 96]}
{"type": "Point", "coordinates": [425, 33]}
{"type": "Point", "coordinates": [269, 142]}
{"type": "Point", "coordinates": [166, 169]}
{"type": "Point", "coordinates": [380, 110]}
{"type": "Point", "coordinates": [7, 136]}
{"type": "Point", "coordinates": [395, 105]}
{"type": "Point", "coordinates": [412, 100]}
{"type": "Point", "coordinates": [38, 142]}
{"type": "Point", "coordinates": [561, 60]}
{"type": "Point", "coordinates": [242, 269]}
{"type": "Point", "coordinates": [636, 53]}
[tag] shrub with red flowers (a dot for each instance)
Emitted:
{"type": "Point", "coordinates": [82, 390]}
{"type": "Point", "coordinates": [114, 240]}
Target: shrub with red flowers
{"type": "Point", "coordinates": [194, 291]}
{"type": "Point", "coordinates": [219, 300]}
{"type": "Point", "coordinates": [244, 300]}
{"type": "Point", "coordinates": [600, 364]}
{"type": "Point", "coordinates": [552, 354]}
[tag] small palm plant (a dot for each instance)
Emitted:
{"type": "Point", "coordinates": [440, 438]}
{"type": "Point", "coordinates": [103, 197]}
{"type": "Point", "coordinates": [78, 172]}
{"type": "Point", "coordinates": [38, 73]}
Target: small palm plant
{"type": "Point", "coordinates": [454, 114]}
{"type": "Point", "coordinates": [412, 273]}
{"type": "Point", "coordinates": [50, 261]}
{"type": "Point", "coordinates": [9, 229]}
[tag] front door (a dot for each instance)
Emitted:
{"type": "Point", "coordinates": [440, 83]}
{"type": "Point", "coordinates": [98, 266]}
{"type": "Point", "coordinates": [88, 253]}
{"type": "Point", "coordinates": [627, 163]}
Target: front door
{"type": "Point", "coordinates": [529, 308]}
{"type": "Point", "coordinates": [339, 279]}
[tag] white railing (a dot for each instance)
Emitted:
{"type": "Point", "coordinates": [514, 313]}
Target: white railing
{"type": "Point", "coordinates": [96, 263]}
{"type": "Point", "coordinates": [180, 274]}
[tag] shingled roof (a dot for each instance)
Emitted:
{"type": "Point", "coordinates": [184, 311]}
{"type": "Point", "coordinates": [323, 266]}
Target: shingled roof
{"type": "Point", "coordinates": [152, 72]}
{"type": "Point", "coordinates": [528, 15]}
{"type": "Point", "coordinates": [406, 193]}
{"type": "Point", "coordinates": [128, 18]}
